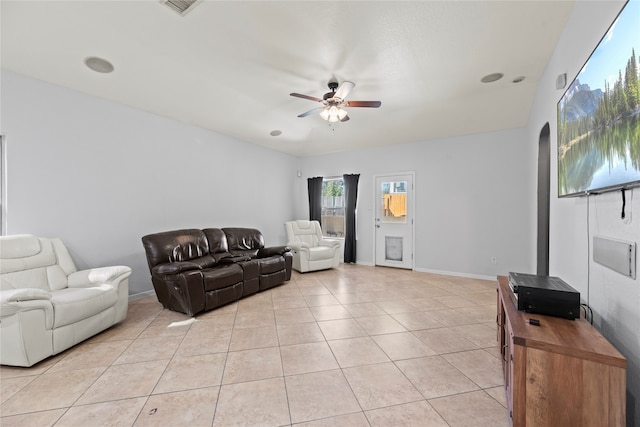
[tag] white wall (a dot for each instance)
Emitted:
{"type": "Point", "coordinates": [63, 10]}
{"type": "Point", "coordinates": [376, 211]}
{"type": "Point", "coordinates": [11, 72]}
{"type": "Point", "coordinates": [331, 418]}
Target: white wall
{"type": "Point", "coordinates": [100, 175]}
{"type": "Point", "coordinates": [472, 199]}
{"type": "Point", "coordinates": [614, 298]}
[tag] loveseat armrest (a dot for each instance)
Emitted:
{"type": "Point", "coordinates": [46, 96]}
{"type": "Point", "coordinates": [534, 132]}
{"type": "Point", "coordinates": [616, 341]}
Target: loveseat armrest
{"type": "Point", "coordinates": [330, 243]}
{"type": "Point", "coordinates": [175, 267]}
{"type": "Point", "coordinates": [112, 275]}
{"type": "Point", "coordinates": [13, 301]}
{"type": "Point", "coordinates": [273, 250]}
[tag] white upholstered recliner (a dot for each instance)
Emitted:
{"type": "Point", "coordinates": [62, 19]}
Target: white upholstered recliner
{"type": "Point", "coordinates": [311, 251]}
{"type": "Point", "coordinates": [46, 305]}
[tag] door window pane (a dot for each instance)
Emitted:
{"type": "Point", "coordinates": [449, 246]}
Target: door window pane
{"type": "Point", "coordinates": [394, 202]}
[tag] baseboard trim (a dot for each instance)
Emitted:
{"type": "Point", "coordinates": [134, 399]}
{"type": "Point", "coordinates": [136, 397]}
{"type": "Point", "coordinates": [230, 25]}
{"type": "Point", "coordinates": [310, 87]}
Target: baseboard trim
{"type": "Point", "coordinates": [140, 295]}
{"type": "Point", "coordinates": [457, 274]}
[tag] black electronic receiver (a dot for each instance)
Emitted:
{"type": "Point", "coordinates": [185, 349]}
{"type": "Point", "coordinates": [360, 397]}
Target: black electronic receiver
{"type": "Point", "coordinates": [545, 295]}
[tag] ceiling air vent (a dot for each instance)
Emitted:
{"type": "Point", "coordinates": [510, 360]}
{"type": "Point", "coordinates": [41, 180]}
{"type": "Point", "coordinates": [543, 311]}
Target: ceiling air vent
{"type": "Point", "coordinates": [181, 7]}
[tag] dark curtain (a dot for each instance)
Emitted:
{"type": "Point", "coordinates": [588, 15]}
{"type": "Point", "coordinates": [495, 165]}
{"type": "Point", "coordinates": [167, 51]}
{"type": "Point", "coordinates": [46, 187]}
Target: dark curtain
{"type": "Point", "coordinates": [350, 199]}
{"type": "Point", "coordinates": [315, 198]}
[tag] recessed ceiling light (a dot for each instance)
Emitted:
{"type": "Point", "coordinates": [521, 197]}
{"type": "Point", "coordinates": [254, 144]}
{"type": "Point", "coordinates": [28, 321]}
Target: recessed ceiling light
{"type": "Point", "coordinates": [518, 79]}
{"type": "Point", "coordinates": [98, 65]}
{"type": "Point", "coordinates": [275, 132]}
{"type": "Point", "coordinates": [490, 78]}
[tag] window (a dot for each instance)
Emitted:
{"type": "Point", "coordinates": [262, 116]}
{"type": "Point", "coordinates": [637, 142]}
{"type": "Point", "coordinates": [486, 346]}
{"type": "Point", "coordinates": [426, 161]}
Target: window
{"type": "Point", "coordinates": [333, 207]}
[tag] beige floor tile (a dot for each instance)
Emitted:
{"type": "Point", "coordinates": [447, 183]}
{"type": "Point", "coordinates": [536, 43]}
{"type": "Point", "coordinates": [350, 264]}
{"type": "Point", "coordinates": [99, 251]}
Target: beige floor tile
{"type": "Point", "coordinates": [213, 323]}
{"type": "Point", "coordinates": [293, 315]}
{"type": "Point", "coordinates": [402, 345]}
{"type": "Point", "coordinates": [299, 333]}
{"type": "Point", "coordinates": [426, 303]}
{"type": "Point", "coordinates": [124, 381]}
{"type": "Point", "coordinates": [341, 328]}
{"type": "Point", "coordinates": [198, 342]}
{"type": "Point", "coordinates": [305, 358]}
{"type": "Point", "coordinates": [354, 297]}
{"type": "Point", "coordinates": [51, 391]}
{"type": "Point", "coordinates": [249, 338]}
{"type": "Point", "coordinates": [320, 300]}
{"type": "Point", "coordinates": [481, 334]}
{"type": "Point", "coordinates": [364, 309]}
{"type": "Point", "coordinates": [444, 340]}
{"type": "Point", "coordinates": [184, 373]}
{"type": "Point", "coordinates": [330, 312]}
{"type": "Point", "coordinates": [184, 408]}
{"type": "Point", "coordinates": [498, 393]}
{"type": "Point", "coordinates": [292, 302]}
{"type": "Point", "coordinates": [314, 290]}
{"type": "Point", "coordinates": [40, 419]}
{"type": "Point", "coordinates": [256, 403]}
{"type": "Point", "coordinates": [37, 369]}
{"type": "Point", "coordinates": [252, 365]}
{"type": "Point", "coordinates": [479, 366]}
{"type": "Point", "coordinates": [122, 331]}
{"type": "Point", "coordinates": [118, 413]}
{"type": "Point", "coordinates": [455, 301]}
{"type": "Point", "coordinates": [415, 414]}
{"type": "Point", "coordinates": [319, 395]}
{"type": "Point", "coordinates": [418, 320]}
{"type": "Point", "coordinates": [480, 314]}
{"type": "Point", "coordinates": [10, 386]}
{"type": "Point", "coordinates": [146, 349]}
{"type": "Point", "coordinates": [94, 355]}
{"type": "Point", "coordinates": [482, 298]}
{"type": "Point", "coordinates": [381, 385]}
{"type": "Point", "coordinates": [166, 328]}
{"type": "Point", "coordinates": [451, 317]}
{"type": "Point", "coordinates": [396, 306]}
{"type": "Point", "coordinates": [435, 377]}
{"type": "Point", "coordinates": [473, 409]}
{"type": "Point", "coordinates": [357, 351]}
{"type": "Point", "coordinates": [357, 419]}
{"type": "Point", "coordinates": [254, 319]}
{"type": "Point", "coordinates": [377, 325]}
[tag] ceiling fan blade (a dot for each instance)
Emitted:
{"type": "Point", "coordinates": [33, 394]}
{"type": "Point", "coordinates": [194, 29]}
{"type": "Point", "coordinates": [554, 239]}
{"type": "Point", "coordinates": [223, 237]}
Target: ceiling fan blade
{"type": "Point", "coordinates": [310, 98]}
{"type": "Point", "coordinates": [345, 118]}
{"type": "Point", "coordinates": [344, 90]}
{"type": "Point", "coordinates": [370, 104]}
{"type": "Point", "coordinates": [310, 112]}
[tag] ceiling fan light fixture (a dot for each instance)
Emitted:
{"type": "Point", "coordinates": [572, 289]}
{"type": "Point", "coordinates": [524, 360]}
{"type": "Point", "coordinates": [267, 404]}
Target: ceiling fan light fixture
{"type": "Point", "coordinates": [324, 114]}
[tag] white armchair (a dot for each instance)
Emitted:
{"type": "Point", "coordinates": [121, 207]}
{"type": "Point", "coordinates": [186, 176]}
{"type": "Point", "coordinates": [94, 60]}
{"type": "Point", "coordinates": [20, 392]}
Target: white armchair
{"type": "Point", "coordinates": [311, 251]}
{"type": "Point", "coordinates": [46, 305]}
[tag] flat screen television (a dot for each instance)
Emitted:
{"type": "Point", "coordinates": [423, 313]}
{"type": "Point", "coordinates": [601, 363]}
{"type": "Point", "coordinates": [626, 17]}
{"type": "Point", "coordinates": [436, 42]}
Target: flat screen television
{"type": "Point", "coordinates": [599, 114]}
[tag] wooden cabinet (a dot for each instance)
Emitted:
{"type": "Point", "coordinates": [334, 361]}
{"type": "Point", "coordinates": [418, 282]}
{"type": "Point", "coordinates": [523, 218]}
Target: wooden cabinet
{"type": "Point", "coordinates": [561, 373]}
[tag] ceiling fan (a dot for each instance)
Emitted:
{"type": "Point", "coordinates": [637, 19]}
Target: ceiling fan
{"type": "Point", "coordinates": [334, 101]}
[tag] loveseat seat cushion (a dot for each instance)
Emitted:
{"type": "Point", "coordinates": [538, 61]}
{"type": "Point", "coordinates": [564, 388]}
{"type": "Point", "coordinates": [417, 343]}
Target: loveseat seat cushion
{"type": "Point", "coordinates": [221, 277]}
{"type": "Point", "coordinates": [71, 305]}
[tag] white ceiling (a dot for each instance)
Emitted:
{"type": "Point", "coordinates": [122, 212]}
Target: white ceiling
{"type": "Point", "coordinates": [229, 66]}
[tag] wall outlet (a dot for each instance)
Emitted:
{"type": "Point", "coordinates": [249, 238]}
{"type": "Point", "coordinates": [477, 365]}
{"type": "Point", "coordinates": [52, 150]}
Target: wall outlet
{"type": "Point", "coordinates": [494, 260]}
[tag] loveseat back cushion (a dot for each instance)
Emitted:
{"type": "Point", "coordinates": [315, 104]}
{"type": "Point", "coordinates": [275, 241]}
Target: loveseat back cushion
{"type": "Point", "coordinates": [30, 262]}
{"type": "Point", "coordinates": [244, 239]}
{"type": "Point", "coordinates": [174, 246]}
{"type": "Point", "coordinates": [218, 246]}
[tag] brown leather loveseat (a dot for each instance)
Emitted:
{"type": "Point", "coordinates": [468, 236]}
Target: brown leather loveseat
{"type": "Point", "coordinates": [197, 270]}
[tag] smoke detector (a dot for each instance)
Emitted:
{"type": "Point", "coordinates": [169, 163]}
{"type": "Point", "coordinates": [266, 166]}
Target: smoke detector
{"type": "Point", "coordinates": [181, 7]}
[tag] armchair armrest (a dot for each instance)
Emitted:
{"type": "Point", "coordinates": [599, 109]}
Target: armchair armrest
{"type": "Point", "coordinates": [298, 246]}
{"type": "Point", "coordinates": [99, 275]}
{"type": "Point", "coordinates": [271, 251]}
{"type": "Point", "coordinates": [329, 243]}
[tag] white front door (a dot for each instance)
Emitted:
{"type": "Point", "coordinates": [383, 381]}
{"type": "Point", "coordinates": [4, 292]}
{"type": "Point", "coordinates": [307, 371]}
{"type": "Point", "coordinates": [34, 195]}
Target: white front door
{"type": "Point", "coordinates": [394, 220]}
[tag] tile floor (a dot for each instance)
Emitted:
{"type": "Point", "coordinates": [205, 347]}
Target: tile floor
{"type": "Point", "coordinates": [353, 346]}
